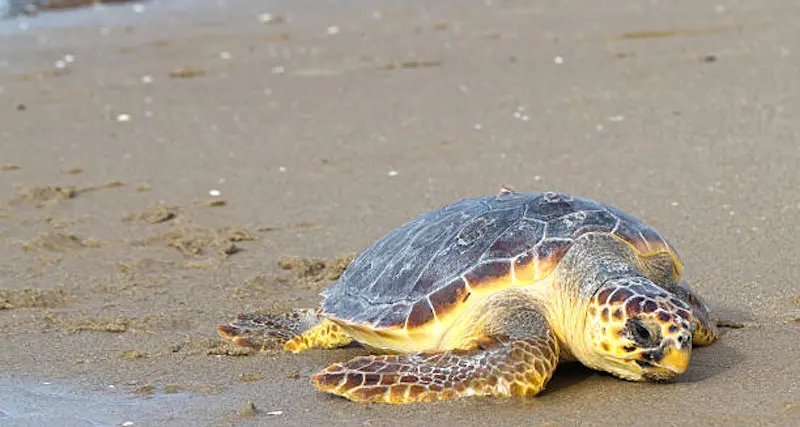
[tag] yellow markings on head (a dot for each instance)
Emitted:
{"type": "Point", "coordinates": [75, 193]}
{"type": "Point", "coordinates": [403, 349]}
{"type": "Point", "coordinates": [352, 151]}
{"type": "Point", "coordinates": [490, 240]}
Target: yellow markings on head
{"type": "Point", "coordinates": [663, 319]}
{"type": "Point", "coordinates": [609, 335]}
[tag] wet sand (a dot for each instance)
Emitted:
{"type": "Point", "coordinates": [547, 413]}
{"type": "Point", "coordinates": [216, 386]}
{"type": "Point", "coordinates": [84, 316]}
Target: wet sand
{"type": "Point", "coordinates": [331, 123]}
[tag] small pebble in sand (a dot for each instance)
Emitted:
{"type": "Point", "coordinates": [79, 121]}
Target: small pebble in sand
{"type": "Point", "coordinates": [123, 117]}
{"type": "Point", "coordinates": [282, 168]}
{"type": "Point", "coordinates": [131, 355]}
{"type": "Point", "coordinates": [537, 178]}
{"type": "Point", "coordinates": [278, 69]}
{"type": "Point", "coordinates": [520, 114]}
{"type": "Point", "coordinates": [558, 60]}
{"type": "Point", "coordinates": [186, 73]}
{"type": "Point", "coordinates": [225, 55]}
{"type": "Point", "coordinates": [599, 127]}
{"type": "Point", "coordinates": [60, 64]}
{"type": "Point", "coordinates": [333, 29]}
{"type": "Point", "coordinates": [618, 118]}
{"type": "Point", "coordinates": [127, 424]}
{"type": "Point", "coordinates": [393, 173]}
{"type": "Point", "coordinates": [147, 79]}
{"type": "Point", "coordinates": [275, 413]}
{"type": "Point", "coordinates": [248, 410]}
{"type": "Point", "coordinates": [477, 126]}
{"type": "Point", "coordinates": [269, 18]}
{"type": "Point", "coordinates": [214, 193]}
{"type": "Point", "coordinates": [138, 8]}
{"type": "Point", "coordinates": [251, 377]}
{"type": "Point", "coordinates": [674, 203]}
{"type": "Point", "coordinates": [69, 58]}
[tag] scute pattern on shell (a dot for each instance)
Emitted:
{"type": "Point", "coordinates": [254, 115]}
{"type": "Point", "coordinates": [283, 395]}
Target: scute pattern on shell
{"type": "Point", "coordinates": [435, 249]}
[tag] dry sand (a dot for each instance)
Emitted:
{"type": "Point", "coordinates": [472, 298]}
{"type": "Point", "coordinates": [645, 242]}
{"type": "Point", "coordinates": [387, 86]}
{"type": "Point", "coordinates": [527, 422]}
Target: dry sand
{"type": "Point", "coordinates": [334, 123]}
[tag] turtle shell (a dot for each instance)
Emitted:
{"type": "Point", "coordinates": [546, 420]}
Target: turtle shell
{"type": "Point", "coordinates": [430, 266]}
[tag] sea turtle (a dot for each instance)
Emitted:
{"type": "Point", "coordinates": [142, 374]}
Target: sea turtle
{"type": "Point", "coordinates": [486, 295]}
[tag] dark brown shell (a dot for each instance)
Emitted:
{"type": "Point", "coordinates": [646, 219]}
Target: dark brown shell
{"type": "Point", "coordinates": [428, 266]}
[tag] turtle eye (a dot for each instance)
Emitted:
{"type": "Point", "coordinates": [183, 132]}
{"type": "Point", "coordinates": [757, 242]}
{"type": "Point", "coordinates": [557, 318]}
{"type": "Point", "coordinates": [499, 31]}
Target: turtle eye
{"type": "Point", "coordinates": [639, 333]}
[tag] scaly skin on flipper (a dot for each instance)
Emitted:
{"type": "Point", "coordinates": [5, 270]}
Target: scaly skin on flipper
{"type": "Point", "coordinates": [501, 369]}
{"type": "Point", "coordinates": [705, 327]}
{"type": "Point", "coordinates": [294, 331]}
{"type": "Point", "coordinates": [512, 352]}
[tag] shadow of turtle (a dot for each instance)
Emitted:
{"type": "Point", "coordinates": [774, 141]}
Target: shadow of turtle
{"type": "Point", "coordinates": [713, 360]}
{"type": "Point", "coordinates": [708, 362]}
{"type": "Point", "coordinates": [568, 375]}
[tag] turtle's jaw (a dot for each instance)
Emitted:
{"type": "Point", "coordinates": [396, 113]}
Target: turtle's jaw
{"type": "Point", "coordinates": [664, 365]}
{"type": "Point", "coordinates": [658, 374]}
{"type": "Point", "coordinates": [673, 364]}
{"type": "Point", "coordinates": [676, 360]}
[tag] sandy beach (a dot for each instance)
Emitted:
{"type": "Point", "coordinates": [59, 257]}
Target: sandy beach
{"type": "Point", "coordinates": [164, 167]}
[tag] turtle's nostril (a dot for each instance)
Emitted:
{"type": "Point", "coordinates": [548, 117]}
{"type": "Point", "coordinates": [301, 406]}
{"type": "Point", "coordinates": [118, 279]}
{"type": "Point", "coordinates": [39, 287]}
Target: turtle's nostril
{"type": "Point", "coordinates": [683, 340]}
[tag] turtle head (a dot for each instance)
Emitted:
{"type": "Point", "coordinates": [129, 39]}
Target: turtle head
{"type": "Point", "coordinates": [638, 331]}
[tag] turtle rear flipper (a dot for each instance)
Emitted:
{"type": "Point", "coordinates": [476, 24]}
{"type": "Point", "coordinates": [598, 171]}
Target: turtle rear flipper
{"type": "Point", "coordinates": [294, 331]}
{"type": "Point", "coordinates": [504, 369]}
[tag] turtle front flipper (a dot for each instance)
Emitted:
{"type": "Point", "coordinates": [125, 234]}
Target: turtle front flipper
{"type": "Point", "coordinates": [704, 325]}
{"type": "Point", "coordinates": [505, 348]}
{"type": "Point", "coordinates": [294, 331]}
{"type": "Point", "coordinates": [503, 369]}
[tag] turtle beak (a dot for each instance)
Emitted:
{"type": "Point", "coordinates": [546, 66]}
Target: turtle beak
{"type": "Point", "coordinates": [675, 360]}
